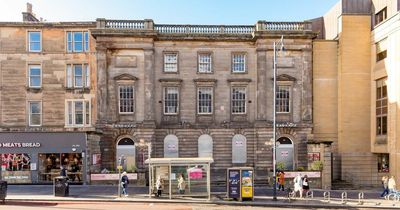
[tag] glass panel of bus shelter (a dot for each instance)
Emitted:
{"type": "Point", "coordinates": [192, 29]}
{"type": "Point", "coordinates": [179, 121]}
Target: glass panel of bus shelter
{"type": "Point", "coordinates": [189, 180]}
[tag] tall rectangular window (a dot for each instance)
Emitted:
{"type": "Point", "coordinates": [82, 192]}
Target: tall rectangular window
{"type": "Point", "coordinates": [34, 41]}
{"type": "Point", "coordinates": [35, 113]}
{"type": "Point", "coordinates": [78, 113]}
{"type": "Point", "coordinates": [238, 100]}
{"type": "Point", "coordinates": [171, 100]}
{"type": "Point", "coordinates": [381, 16]}
{"type": "Point", "coordinates": [283, 99]}
{"type": "Point", "coordinates": [205, 63]}
{"type": "Point", "coordinates": [381, 50]}
{"type": "Point", "coordinates": [77, 76]}
{"type": "Point", "coordinates": [239, 62]}
{"type": "Point", "coordinates": [381, 107]}
{"type": "Point", "coordinates": [35, 76]}
{"type": "Point", "coordinates": [77, 41]}
{"type": "Point", "coordinates": [205, 100]}
{"type": "Point", "coordinates": [170, 62]}
{"type": "Point", "coordinates": [126, 99]}
{"type": "Point", "coordinates": [383, 162]}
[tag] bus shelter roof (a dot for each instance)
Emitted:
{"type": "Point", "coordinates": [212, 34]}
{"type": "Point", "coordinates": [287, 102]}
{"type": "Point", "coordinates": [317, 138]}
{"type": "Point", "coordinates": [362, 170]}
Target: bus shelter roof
{"type": "Point", "coordinates": [183, 161]}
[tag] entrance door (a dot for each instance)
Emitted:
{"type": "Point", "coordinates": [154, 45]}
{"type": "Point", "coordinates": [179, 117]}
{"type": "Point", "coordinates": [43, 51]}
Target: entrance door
{"type": "Point", "coordinates": [126, 154]}
{"type": "Point", "coordinates": [284, 153]}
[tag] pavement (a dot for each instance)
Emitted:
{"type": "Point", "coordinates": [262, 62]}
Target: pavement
{"type": "Point", "coordinates": [263, 197]}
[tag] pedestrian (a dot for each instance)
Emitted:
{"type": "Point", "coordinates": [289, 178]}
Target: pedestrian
{"type": "Point", "coordinates": [63, 171]}
{"type": "Point", "coordinates": [282, 181]}
{"type": "Point", "coordinates": [124, 184]}
{"type": "Point", "coordinates": [181, 184]}
{"type": "Point", "coordinates": [159, 186]}
{"type": "Point", "coordinates": [306, 186]}
{"type": "Point", "coordinates": [385, 182]}
{"type": "Point", "coordinates": [298, 186]}
{"type": "Point", "coordinates": [392, 184]}
{"type": "Point", "coordinates": [277, 177]}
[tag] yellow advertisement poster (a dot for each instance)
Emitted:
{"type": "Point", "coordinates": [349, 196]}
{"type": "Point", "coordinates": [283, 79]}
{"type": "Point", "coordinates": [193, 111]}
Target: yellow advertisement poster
{"type": "Point", "coordinates": [247, 184]}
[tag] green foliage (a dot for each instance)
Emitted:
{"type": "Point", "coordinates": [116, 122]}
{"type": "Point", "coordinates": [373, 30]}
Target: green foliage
{"type": "Point", "coordinates": [317, 166]}
{"type": "Point", "coordinates": [280, 166]}
{"type": "Point", "coordinates": [300, 168]}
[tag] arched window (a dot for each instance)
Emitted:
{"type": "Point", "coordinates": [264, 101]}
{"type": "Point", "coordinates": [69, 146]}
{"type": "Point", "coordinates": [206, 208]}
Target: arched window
{"type": "Point", "coordinates": [239, 149]}
{"type": "Point", "coordinates": [171, 147]}
{"type": "Point", "coordinates": [126, 154]}
{"type": "Point", "coordinates": [284, 153]}
{"type": "Point", "coordinates": [205, 146]}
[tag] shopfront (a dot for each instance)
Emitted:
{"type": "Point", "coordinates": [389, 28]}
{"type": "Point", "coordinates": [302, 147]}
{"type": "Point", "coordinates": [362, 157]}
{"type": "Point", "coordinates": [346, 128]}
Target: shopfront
{"type": "Point", "coordinates": [38, 157]}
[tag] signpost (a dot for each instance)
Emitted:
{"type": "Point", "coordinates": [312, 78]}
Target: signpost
{"type": "Point", "coordinates": [119, 180]}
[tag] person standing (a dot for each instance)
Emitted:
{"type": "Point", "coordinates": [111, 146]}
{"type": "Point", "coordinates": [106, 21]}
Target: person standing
{"type": "Point", "coordinates": [282, 181]}
{"type": "Point", "coordinates": [181, 184]}
{"type": "Point", "coordinates": [385, 182]}
{"type": "Point", "coordinates": [392, 184]}
{"type": "Point", "coordinates": [298, 186]}
{"type": "Point", "coordinates": [306, 185]}
{"type": "Point", "coordinates": [159, 186]}
{"type": "Point", "coordinates": [63, 171]}
{"type": "Point", "coordinates": [124, 184]}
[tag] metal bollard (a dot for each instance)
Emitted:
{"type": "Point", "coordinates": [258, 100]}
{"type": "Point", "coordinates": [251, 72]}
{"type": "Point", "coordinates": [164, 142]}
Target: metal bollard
{"type": "Point", "coordinates": [361, 198]}
{"type": "Point", "coordinates": [344, 197]}
{"type": "Point", "coordinates": [327, 196]}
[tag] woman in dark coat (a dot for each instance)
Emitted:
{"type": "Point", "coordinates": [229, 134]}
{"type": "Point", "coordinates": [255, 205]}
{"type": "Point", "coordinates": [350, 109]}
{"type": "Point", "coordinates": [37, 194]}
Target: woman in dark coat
{"type": "Point", "coordinates": [124, 184]}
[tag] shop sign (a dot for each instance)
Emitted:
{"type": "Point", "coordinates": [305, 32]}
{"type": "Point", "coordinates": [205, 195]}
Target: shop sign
{"type": "Point", "coordinates": [247, 184]}
{"type": "Point", "coordinates": [284, 153]}
{"type": "Point", "coordinates": [20, 145]}
{"type": "Point", "coordinates": [310, 174]}
{"type": "Point", "coordinates": [234, 184]}
{"type": "Point", "coordinates": [286, 125]}
{"type": "Point", "coordinates": [13, 177]}
{"type": "Point", "coordinates": [102, 177]}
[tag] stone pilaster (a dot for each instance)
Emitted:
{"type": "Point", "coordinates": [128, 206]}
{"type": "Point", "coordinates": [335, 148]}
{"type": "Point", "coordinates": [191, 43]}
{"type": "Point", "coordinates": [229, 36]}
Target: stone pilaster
{"type": "Point", "coordinates": [306, 105]}
{"type": "Point", "coordinates": [102, 84]}
{"type": "Point", "coordinates": [261, 85]}
{"type": "Point", "coordinates": [149, 80]}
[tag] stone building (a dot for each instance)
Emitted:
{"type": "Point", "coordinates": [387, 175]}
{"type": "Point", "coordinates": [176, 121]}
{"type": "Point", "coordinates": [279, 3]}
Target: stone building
{"type": "Point", "coordinates": [47, 99]}
{"type": "Point", "coordinates": [356, 89]}
{"type": "Point", "coordinates": [200, 91]}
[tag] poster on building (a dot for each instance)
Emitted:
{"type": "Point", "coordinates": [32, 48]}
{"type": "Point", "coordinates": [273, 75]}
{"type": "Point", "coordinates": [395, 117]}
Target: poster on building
{"type": "Point", "coordinates": [96, 159]}
{"type": "Point", "coordinates": [247, 184]}
{"type": "Point", "coordinates": [234, 184]}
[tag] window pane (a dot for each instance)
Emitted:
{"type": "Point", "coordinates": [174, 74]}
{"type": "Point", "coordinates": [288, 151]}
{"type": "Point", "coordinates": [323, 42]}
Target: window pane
{"type": "Point", "coordinates": [205, 63]}
{"type": "Point", "coordinates": [238, 100]}
{"type": "Point", "coordinates": [34, 41]}
{"type": "Point", "coordinates": [283, 99]}
{"type": "Point", "coordinates": [69, 41]}
{"type": "Point", "coordinates": [78, 112]}
{"type": "Point", "coordinates": [78, 41]}
{"type": "Point", "coordinates": [204, 99]}
{"type": "Point", "coordinates": [171, 98]}
{"type": "Point", "coordinates": [239, 63]}
{"type": "Point", "coordinates": [70, 114]}
{"type": "Point", "coordinates": [87, 76]}
{"type": "Point", "coordinates": [86, 41]}
{"type": "Point", "coordinates": [171, 62]}
{"type": "Point", "coordinates": [87, 112]}
{"type": "Point", "coordinates": [69, 76]}
{"type": "Point", "coordinates": [78, 75]}
{"type": "Point", "coordinates": [34, 76]}
{"type": "Point", "coordinates": [126, 99]}
{"type": "Point", "coordinates": [35, 113]}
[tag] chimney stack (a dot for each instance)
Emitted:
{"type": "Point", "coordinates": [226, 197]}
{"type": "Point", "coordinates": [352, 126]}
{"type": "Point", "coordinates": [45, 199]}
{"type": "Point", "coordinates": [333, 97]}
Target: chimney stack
{"type": "Point", "coordinates": [28, 15]}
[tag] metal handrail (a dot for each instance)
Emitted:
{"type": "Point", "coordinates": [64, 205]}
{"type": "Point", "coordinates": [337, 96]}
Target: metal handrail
{"type": "Point", "coordinates": [344, 197]}
{"type": "Point", "coordinates": [327, 196]}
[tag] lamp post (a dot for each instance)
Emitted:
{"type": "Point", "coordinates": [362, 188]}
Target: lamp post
{"type": "Point", "coordinates": [142, 143]}
{"type": "Point", "coordinates": [278, 45]}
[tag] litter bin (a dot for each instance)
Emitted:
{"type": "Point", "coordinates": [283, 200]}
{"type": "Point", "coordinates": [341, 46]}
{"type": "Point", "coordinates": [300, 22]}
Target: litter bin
{"type": "Point", "coordinates": [61, 186]}
{"type": "Point", "coordinates": [3, 191]}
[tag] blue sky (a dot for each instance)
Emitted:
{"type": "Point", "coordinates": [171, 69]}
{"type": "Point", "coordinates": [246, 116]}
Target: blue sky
{"type": "Point", "coordinates": [170, 11]}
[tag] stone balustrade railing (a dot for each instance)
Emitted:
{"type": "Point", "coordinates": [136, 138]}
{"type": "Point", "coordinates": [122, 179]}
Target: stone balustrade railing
{"type": "Point", "coordinates": [203, 29]}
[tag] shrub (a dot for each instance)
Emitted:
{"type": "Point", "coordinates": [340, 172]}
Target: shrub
{"type": "Point", "coordinates": [317, 165]}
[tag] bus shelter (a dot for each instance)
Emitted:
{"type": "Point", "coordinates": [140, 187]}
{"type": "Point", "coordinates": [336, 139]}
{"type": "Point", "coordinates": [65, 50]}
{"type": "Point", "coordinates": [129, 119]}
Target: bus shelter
{"type": "Point", "coordinates": [194, 171]}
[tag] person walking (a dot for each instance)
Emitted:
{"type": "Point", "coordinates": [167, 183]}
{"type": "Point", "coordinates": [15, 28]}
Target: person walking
{"type": "Point", "coordinates": [306, 185]}
{"type": "Point", "coordinates": [282, 180]}
{"type": "Point", "coordinates": [181, 184]}
{"type": "Point", "coordinates": [385, 182]}
{"type": "Point", "coordinates": [63, 171]}
{"type": "Point", "coordinates": [124, 184]}
{"type": "Point", "coordinates": [159, 186]}
{"type": "Point", "coordinates": [392, 184]}
{"type": "Point", "coordinates": [298, 186]}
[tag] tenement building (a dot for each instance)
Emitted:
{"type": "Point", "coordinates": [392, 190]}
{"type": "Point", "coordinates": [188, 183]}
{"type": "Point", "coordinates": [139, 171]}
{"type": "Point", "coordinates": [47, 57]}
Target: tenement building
{"type": "Point", "coordinates": [47, 99]}
{"type": "Point", "coordinates": [203, 91]}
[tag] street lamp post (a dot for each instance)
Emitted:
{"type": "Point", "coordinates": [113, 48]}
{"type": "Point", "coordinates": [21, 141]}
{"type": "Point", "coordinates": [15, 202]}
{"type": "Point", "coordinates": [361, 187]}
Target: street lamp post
{"type": "Point", "coordinates": [142, 143]}
{"type": "Point", "coordinates": [280, 47]}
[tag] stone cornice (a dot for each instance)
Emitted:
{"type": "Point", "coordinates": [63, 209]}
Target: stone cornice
{"type": "Point", "coordinates": [125, 77]}
{"type": "Point", "coordinates": [239, 80]}
{"type": "Point", "coordinates": [170, 80]}
{"type": "Point", "coordinates": [205, 80]}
